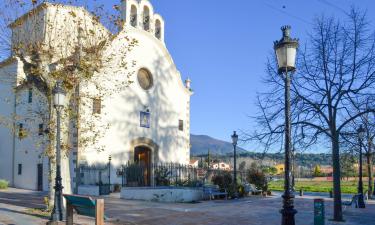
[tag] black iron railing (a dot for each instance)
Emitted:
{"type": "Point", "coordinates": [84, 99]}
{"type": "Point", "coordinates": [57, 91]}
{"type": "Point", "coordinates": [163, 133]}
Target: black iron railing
{"type": "Point", "coordinates": [160, 174]}
{"type": "Point", "coordinates": [166, 174]}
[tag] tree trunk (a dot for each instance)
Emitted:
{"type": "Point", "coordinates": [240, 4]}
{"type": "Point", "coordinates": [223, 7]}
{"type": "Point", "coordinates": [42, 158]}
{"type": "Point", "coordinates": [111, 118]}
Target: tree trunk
{"type": "Point", "coordinates": [337, 206]}
{"type": "Point", "coordinates": [369, 167]}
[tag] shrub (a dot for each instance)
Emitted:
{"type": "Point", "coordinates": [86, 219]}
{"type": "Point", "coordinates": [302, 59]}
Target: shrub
{"type": "Point", "coordinates": [4, 184]}
{"type": "Point", "coordinates": [225, 182]}
{"type": "Point", "coordinates": [241, 191]}
{"type": "Point", "coordinates": [162, 177]}
{"type": "Point", "coordinates": [258, 178]}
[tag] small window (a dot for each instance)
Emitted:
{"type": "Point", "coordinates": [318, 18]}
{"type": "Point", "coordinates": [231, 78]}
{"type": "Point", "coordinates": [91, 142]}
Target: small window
{"type": "Point", "coordinates": [133, 16]}
{"type": "Point", "coordinates": [21, 131]}
{"type": "Point", "coordinates": [158, 29]}
{"type": "Point", "coordinates": [19, 169]}
{"type": "Point", "coordinates": [181, 125]}
{"type": "Point", "coordinates": [97, 106]}
{"type": "Point", "coordinates": [146, 18]}
{"type": "Point", "coordinates": [30, 98]}
{"type": "Point", "coordinates": [41, 130]}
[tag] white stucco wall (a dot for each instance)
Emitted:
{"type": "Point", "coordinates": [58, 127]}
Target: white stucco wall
{"type": "Point", "coordinates": [29, 150]}
{"type": "Point", "coordinates": [175, 195]}
{"type": "Point", "coordinates": [58, 29]}
{"type": "Point", "coordinates": [7, 82]}
{"type": "Point", "coordinates": [119, 123]}
{"type": "Point", "coordinates": [167, 101]}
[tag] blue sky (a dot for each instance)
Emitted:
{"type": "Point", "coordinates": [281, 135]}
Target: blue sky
{"type": "Point", "coordinates": [223, 46]}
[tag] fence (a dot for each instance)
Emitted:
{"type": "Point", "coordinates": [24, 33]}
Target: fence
{"type": "Point", "coordinates": [167, 174]}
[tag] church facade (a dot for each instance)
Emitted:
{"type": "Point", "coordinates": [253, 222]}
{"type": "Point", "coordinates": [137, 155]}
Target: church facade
{"type": "Point", "coordinates": [135, 108]}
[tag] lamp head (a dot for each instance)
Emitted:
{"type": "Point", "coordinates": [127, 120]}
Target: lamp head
{"type": "Point", "coordinates": [361, 131]}
{"type": "Point", "coordinates": [286, 51]}
{"type": "Point", "coordinates": [234, 138]}
{"type": "Point", "coordinates": [59, 94]}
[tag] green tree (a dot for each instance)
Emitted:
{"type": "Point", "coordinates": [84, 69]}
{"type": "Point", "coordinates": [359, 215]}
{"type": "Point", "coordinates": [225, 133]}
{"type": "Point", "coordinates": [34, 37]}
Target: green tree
{"type": "Point", "coordinates": [317, 171]}
{"type": "Point", "coordinates": [242, 166]}
{"type": "Point", "coordinates": [347, 166]}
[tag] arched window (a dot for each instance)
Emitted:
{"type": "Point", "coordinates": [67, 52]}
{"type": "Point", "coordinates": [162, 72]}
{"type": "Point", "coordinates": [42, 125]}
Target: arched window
{"type": "Point", "coordinates": [146, 18]}
{"type": "Point", "coordinates": [158, 29]}
{"type": "Point", "coordinates": [133, 16]}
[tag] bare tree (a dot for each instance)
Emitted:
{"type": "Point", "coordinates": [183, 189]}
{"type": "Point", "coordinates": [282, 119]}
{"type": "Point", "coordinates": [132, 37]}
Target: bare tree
{"type": "Point", "coordinates": [369, 148]}
{"type": "Point", "coordinates": [350, 137]}
{"type": "Point", "coordinates": [335, 77]}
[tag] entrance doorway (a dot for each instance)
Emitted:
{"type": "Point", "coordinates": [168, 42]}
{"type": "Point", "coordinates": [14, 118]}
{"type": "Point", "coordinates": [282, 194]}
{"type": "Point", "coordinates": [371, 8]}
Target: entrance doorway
{"type": "Point", "coordinates": [142, 157]}
{"type": "Point", "coordinates": [40, 177]}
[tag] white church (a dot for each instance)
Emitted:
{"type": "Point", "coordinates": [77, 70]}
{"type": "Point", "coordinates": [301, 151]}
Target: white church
{"type": "Point", "coordinates": [146, 118]}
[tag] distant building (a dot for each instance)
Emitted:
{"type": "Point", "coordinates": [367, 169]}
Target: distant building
{"type": "Point", "coordinates": [326, 170]}
{"type": "Point", "coordinates": [221, 166]}
{"type": "Point", "coordinates": [280, 168]}
{"type": "Point", "coordinates": [194, 163]}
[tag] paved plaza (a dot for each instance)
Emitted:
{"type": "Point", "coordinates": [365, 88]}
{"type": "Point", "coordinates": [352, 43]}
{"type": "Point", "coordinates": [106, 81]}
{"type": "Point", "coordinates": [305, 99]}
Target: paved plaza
{"type": "Point", "coordinates": [15, 207]}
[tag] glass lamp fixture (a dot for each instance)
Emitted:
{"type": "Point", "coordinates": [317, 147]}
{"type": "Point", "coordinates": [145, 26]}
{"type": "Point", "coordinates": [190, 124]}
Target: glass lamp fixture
{"type": "Point", "coordinates": [59, 95]}
{"type": "Point", "coordinates": [234, 138]}
{"type": "Point", "coordinates": [286, 51]}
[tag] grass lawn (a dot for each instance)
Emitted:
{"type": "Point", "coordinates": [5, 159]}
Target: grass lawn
{"type": "Point", "coordinates": [348, 187]}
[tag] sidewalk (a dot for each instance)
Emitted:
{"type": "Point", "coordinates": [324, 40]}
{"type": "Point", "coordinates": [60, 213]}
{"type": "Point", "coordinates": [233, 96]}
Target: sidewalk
{"type": "Point", "coordinates": [249, 211]}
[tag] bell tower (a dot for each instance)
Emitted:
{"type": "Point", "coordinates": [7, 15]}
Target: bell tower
{"type": "Point", "coordinates": [140, 14]}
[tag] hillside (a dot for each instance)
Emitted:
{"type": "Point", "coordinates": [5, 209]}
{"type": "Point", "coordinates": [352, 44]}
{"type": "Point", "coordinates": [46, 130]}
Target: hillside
{"type": "Point", "coordinates": [202, 143]}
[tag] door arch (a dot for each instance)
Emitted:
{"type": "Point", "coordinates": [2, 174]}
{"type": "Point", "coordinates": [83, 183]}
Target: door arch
{"type": "Point", "coordinates": [144, 152]}
{"type": "Point", "coordinates": [142, 158]}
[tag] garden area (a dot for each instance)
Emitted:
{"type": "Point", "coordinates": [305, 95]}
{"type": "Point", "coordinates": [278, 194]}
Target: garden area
{"type": "Point", "coordinates": [347, 187]}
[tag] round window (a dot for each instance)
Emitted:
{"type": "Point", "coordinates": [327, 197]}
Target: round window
{"type": "Point", "coordinates": [145, 79]}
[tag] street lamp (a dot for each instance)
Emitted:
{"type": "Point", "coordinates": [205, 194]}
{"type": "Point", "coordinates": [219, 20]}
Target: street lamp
{"type": "Point", "coordinates": [234, 142]}
{"type": "Point", "coordinates": [58, 101]}
{"type": "Point", "coordinates": [286, 50]}
{"type": "Point", "coordinates": [361, 203]}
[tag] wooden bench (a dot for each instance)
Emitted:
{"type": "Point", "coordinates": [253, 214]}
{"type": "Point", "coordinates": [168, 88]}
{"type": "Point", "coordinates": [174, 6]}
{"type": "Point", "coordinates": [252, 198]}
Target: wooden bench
{"type": "Point", "coordinates": [213, 190]}
{"type": "Point", "coordinates": [85, 206]}
{"type": "Point", "coordinates": [350, 203]}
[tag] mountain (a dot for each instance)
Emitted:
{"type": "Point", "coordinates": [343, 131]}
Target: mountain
{"type": "Point", "coordinates": [200, 144]}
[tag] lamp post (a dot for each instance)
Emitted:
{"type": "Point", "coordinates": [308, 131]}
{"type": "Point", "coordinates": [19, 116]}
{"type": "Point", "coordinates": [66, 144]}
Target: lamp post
{"type": "Point", "coordinates": [293, 170]}
{"type": "Point", "coordinates": [58, 99]}
{"type": "Point", "coordinates": [234, 142]}
{"type": "Point", "coordinates": [286, 50]}
{"type": "Point", "coordinates": [361, 203]}
{"type": "Point", "coordinates": [109, 171]}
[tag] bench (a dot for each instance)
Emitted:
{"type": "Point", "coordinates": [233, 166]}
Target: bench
{"type": "Point", "coordinates": [213, 190]}
{"type": "Point", "coordinates": [350, 203]}
{"type": "Point", "coordinates": [85, 206]}
{"type": "Point", "coordinates": [253, 189]}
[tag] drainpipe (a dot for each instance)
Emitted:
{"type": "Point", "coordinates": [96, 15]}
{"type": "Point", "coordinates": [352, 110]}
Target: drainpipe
{"type": "Point", "coordinates": [14, 138]}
